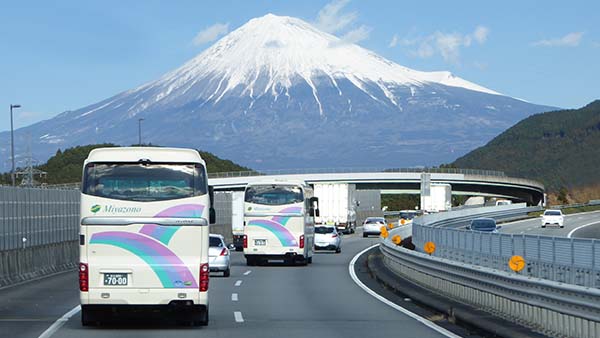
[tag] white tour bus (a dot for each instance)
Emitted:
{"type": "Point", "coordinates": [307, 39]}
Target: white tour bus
{"type": "Point", "coordinates": [279, 222]}
{"type": "Point", "coordinates": [144, 234]}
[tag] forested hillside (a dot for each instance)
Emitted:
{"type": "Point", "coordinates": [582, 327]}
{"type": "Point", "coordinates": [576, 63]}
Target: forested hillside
{"type": "Point", "coordinates": [559, 148]}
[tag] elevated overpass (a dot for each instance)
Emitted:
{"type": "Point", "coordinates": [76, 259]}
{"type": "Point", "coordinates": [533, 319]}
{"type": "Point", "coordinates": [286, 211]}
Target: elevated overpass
{"type": "Point", "coordinates": [408, 181]}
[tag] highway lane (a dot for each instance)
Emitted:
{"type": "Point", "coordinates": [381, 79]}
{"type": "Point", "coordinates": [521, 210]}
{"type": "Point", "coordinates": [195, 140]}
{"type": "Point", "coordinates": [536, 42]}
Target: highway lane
{"type": "Point", "coordinates": [261, 301]}
{"type": "Point", "coordinates": [572, 222]}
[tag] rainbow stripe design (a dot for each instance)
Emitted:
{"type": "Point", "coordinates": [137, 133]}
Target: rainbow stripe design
{"type": "Point", "coordinates": [171, 271]}
{"type": "Point", "coordinates": [277, 224]}
{"type": "Point", "coordinates": [283, 235]}
{"type": "Point", "coordinates": [284, 219]}
{"type": "Point", "coordinates": [150, 244]}
{"type": "Point", "coordinates": [164, 234]}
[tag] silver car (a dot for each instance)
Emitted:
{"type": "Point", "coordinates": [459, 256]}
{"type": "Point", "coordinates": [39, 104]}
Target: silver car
{"type": "Point", "coordinates": [372, 226]}
{"type": "Point", "coordinates": [327, 238]}
{"type": "Point", "coordinates": [218, 255]}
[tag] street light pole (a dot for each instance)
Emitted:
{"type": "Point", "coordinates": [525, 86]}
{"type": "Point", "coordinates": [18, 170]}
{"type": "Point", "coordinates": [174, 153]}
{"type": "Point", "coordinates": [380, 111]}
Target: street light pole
{"type": "Point", "coordinates": [140, 132]}
{"type": "Point", "coordinates": [12, 142]}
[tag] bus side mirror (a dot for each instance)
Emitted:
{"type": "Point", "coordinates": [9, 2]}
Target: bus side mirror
{"type": "Point", "coordinates": [212, 215]}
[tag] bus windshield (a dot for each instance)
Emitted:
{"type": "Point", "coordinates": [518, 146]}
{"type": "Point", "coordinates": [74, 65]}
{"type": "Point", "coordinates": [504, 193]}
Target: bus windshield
{"type": "Point", "coordinates": [144, 182]}
{"type": "Point", "coordinates": [274, 194]}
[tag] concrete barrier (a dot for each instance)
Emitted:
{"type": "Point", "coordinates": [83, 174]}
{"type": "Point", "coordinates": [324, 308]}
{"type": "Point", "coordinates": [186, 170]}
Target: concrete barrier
{"type": "Point", "coordinates": [19, 265]}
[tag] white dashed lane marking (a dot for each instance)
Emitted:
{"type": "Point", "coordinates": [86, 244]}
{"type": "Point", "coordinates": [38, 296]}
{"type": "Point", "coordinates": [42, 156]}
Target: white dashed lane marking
{"type": "Point", "coordinates": [238, 283]}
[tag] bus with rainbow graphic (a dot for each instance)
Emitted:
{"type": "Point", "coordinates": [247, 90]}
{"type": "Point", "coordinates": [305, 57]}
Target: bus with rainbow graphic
{"type": "Point", "coordinates": [144, 234]}
{"type": "Point", "coordinates": [279, 222]}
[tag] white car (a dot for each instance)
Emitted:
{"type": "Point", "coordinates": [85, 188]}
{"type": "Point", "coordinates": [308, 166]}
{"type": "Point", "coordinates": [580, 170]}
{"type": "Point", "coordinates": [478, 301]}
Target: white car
{"type": "Point", "coordinates": [327, 238]}
{"type": "Point", "coordinates": [372, 226]}
{"type": "Point", "coordinates": [552, 217]}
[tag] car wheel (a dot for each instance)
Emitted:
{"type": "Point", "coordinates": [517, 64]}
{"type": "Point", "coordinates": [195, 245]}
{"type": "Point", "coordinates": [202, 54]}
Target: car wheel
{"type": "Point", "coordinates": [338, 250]}
{"type": "Point", "coordinates": [365, 235]}
{"type": "Point", "coordinates": [543, 226]}
{"type": "Point", "coordinates": [227, 272]}
{"type": "Point", "coordinates": [309, 260]}
{"type": "Point", "coordinates": [562, 226]}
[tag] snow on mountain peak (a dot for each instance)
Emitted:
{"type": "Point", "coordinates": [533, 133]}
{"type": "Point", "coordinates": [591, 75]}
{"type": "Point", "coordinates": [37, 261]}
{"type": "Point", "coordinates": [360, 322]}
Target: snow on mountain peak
{"type": "Point", "coordinates": [286, 50]}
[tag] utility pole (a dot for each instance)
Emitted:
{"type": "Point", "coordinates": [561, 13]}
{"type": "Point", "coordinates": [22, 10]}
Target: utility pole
{"type": "Point", "coordinates": [12, 142]}
{"type": "Point", "coordinates": [140, 132]}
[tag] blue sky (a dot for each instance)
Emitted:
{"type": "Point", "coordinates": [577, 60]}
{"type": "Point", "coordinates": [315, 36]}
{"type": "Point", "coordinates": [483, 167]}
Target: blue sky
{"type": "Point", "coordinates": [63, 55]}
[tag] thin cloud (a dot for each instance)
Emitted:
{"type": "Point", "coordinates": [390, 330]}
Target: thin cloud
{"type": "Point", "coordinates": [394, 42]}
{"type": "Point", "coordinates": [211, 33]}
{"type": "Point", "coordinates": [331, 19]}
{"type": "Point", "coordinates": [569, 40]}
{"type": "Point", "coordinates": [447, 45]}
{"type": "Point", "coordinates": [356, 35]}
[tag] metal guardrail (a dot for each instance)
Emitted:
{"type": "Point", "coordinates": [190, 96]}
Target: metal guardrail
{"type": "Point", "coordinates": [356, 170]}
{"type": "Point", "coordinates": [478, 273]}
{"type": "Point", "coordinates": [560, 259]}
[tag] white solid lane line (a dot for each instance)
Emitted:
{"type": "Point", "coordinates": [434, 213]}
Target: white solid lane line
{"type": "Point", "coordinates": [247, 273]}
{"type": "Point", "coordinates": [579, 227]}
{"type": "Point", "coordinates": [238, 283]}
{"type": "Point", "coordinates": [392, 304]}
{"type": "Point", "coordinates": [60, 322]}
{"type": "Point", "coordinates": [234, 297]}
{"type": "Point", "coordinates": [238, 317]}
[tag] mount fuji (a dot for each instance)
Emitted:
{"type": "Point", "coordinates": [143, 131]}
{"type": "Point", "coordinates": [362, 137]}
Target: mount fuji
{"type": "Point", "coordinates": [279, 93]}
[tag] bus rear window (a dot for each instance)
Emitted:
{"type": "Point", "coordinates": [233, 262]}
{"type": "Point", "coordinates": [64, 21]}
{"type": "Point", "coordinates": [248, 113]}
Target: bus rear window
{"type": "Point", "coordinates": [274, 194]}
{"type": "Point", "coordinates": [144, 182]}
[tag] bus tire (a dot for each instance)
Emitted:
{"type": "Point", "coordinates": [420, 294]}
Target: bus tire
{"type": "Point", "coordinates": [201, 318]}
{"type": "Point", "coordinates": [87, 318]}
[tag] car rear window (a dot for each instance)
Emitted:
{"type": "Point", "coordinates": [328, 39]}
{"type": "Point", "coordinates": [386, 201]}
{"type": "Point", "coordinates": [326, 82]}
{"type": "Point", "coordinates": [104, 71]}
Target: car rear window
{"type": "Point", "coordinates": [483, 225]}
{"type": "Point", "coordinates": [552, 213]}
{"type": "Point", "coordinates": [215, 241]}
{"type": "Point", "coordinates": [375, 221]}
{"type": "Point", "coordinates": [324, 230]}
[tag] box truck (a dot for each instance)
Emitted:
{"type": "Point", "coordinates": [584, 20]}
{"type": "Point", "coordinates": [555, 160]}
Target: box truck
{"type": "Point", "coordinates": [439, 198]}
{"type": "Point", "coordinates": [237, 219]}
{"type": "Point", "coordinates": [337, 205]}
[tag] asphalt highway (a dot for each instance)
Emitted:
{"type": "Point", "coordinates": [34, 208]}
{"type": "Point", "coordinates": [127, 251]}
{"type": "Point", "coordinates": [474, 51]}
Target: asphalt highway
{"type": "Point", "coordinates": [582, 225]}
{"type": "Point", "coordinates": [318, 300]}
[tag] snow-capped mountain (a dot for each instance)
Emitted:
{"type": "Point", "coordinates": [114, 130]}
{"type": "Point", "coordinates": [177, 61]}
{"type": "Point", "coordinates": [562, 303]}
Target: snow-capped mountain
{"type": "Point", "coordinates": [279, 93]}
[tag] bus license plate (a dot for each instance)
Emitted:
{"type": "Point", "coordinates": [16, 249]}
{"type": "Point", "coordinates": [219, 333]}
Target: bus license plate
{"type": "Point", "coordinates": [260, 242]}
{"type": "Point", "coordinates": [118, 279]}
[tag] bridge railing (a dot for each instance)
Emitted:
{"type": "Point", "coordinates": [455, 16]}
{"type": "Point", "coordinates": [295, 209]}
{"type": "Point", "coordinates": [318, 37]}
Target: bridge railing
{"type": "Point", "coordinates": [556, 293]}
{"type": "Point", "coordinates": [356, 170]}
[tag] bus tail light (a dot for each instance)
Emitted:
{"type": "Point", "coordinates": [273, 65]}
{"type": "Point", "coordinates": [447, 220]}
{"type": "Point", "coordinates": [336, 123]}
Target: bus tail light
{"type": "Point", "coordinates": [83, 277]}
{"type": "Point", "coordinates": [204, 271]}
{"type": "Point", "coordinates": [301, 241]}
{"type": "Point", "coordinates": [245, 241]}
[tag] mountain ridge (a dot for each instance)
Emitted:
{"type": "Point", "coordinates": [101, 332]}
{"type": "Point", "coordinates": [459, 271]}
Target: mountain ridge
{"type": "Point", "coordinates": [278, 93]}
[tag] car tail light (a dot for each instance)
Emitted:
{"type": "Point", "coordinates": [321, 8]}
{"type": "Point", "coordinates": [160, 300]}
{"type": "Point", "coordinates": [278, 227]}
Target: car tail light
{"type": "Point", "coordinates": [245, 241]}
{"type": "Point", "coordinates": [83, 277]}
{"type": "Point", "coordinates": [301, 242]}
{"type": "Point", "coordinates": [334, 235]}
{"type": "Point", "coordinates": [223, 252]}
{"type": "Point", "coordinates": [204, 271]}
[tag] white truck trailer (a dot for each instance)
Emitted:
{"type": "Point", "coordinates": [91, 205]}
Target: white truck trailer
{"type": "Point", "coordinates": [237, 219]}
{"type": "Point", "coordinates": [337, 205]}
{"type": "Point", "coordinates": [439, 198]}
